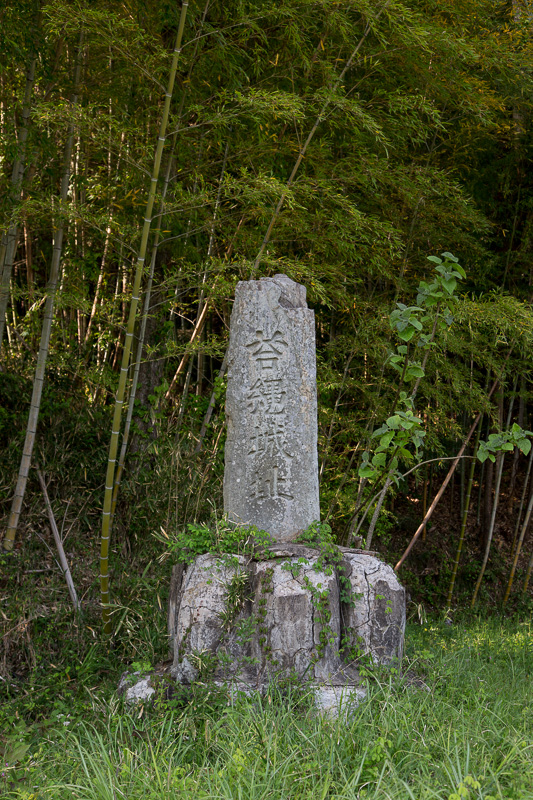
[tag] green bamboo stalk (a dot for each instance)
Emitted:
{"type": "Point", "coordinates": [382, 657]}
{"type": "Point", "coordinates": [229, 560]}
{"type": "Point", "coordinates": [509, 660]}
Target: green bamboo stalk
{"type": "Point", "coordinates": [140, 343]}
{"type": "Point", "coordinates": [9, 241]}
{"type": "Point", "coordinates": [466, 509]}
{"type": "Point", "coordinates": [119, 400]}
{"type": "Point", "coordinates": [51, 289]}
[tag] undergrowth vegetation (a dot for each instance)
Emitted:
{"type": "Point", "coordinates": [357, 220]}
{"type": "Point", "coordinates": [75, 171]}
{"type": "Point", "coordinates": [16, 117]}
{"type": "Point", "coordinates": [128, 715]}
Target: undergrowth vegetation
{"type": "Point", "coordinates": [457, 724]}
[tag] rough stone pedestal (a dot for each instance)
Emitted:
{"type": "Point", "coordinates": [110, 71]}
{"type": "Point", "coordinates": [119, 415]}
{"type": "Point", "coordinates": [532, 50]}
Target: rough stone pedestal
{"type": "Point", "coordinates": [253, 621]}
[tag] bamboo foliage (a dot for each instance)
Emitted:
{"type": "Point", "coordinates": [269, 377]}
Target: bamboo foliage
{"type": "Point", "coordinates": [51, 289]}
{"type": "Point", "coordinates": [310, 136]}
{"type": "Point", "coordinates": [119, 400]}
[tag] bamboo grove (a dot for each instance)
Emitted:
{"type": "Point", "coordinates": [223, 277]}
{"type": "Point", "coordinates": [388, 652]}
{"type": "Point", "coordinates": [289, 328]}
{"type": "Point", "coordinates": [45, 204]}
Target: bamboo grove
{"type": "Point", "coordinates": [153, 154]}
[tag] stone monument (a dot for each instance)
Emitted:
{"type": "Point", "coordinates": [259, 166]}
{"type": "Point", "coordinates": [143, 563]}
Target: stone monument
{"type": "Point", "coordinates": [271, 473]}
{"type": "Point", "coordinates": [299, 615]}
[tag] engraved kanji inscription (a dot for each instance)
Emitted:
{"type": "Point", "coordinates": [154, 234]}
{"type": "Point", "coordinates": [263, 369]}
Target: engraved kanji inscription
{"type": "Point", "coordinates": [270, 483]}
{"type": "Point", "coordinates": [267, 395]}
{"type": "Point", "coordinates": [267, 350]}
{"type": "Point", "coordinates": [268, 450]}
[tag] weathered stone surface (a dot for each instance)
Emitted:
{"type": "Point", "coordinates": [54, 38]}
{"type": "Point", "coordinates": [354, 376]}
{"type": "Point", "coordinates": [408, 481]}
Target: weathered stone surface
{"type": "Point", "coordinates": [199, 637]}
{"type": "Point", "coordinates": [288, 624]}
{"type": "Point", "coordinates": [335, 701]}
{"type": "Point", "coordinates": [136, 687]}
{"type": "Point", "coordinates": [285, 550]}
{"type": "Point", "coordinates": [271, 472]}
{"type": "Point", "coordinates": [292, 622]}
{"type": "Point", "coordinates": [375, 625]}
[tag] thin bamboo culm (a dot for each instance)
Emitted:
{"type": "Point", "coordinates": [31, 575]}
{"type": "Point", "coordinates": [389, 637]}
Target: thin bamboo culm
{"type": "Point", "coordinates": [464, 520]}
{"type": "Point", "coordinates": [525, 526]}
{"type": "Point", "coordinates": [9, 242]}
{"type": "Point", "coordinates": [51, 289]}
{"type": "Point", "coordinates": [493, 515]}
{"type": "Point", "coordinates": [119, 400]}
{"type": "Point", "coordinates": [522, 501]}
{"type": "Point", "coordinates": [528, 574]}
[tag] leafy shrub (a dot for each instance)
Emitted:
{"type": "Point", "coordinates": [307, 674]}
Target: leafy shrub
{"type": "Point", "coordinates": [223, 537]}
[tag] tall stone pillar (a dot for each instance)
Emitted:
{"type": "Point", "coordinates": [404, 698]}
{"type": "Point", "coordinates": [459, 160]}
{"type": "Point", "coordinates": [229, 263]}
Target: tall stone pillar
{"type": "Point", "coordinates": [271, 472]}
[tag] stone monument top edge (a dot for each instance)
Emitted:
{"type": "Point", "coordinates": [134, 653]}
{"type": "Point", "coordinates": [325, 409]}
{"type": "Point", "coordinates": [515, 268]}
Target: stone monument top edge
{"type": "Point", "coordinates": [290, 295]}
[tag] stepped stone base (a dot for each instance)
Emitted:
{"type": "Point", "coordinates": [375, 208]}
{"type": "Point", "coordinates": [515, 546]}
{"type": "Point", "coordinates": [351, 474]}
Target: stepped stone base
{"type": "Point", "coordinates": [250, 621]}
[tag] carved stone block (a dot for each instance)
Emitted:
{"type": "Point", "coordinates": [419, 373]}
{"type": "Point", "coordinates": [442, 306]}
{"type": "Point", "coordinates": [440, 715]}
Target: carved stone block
{"type": "Point", "coordinates": [271, 469]}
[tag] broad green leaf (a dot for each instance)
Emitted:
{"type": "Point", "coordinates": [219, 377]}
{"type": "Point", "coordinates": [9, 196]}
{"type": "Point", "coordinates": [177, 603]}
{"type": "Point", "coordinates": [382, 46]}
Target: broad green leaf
{"type": "Point", "coordinates": [387, 439]}
{"type": "Point", "coordinates": [407, 334]}
{"type": "Point", "coordinates": [450, 257]}
{"type": "Point", "coordinates": [525, 446]}
{"type": "Point", "coordinates": [449, 284]}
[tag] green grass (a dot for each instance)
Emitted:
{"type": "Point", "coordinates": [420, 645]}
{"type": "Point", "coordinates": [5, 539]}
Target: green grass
{"type": "Point", "coordinates": [462, 729]}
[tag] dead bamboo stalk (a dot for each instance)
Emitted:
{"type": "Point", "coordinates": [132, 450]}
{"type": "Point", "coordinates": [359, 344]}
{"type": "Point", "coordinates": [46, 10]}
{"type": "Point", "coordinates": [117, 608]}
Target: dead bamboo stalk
{"type": "Point", "coordinates": [196, 332]}
{"type": "Point", "coordinates": [59, 544]}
